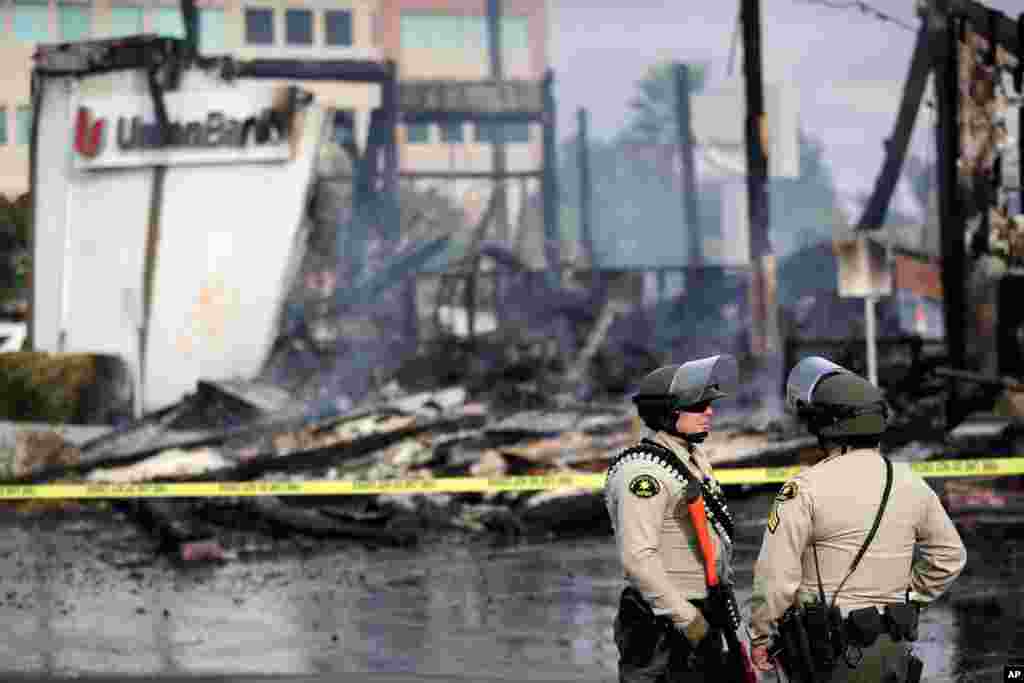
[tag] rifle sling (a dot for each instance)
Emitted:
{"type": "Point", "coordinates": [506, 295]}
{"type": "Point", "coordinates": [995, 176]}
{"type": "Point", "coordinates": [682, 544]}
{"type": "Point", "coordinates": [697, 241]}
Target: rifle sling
{"type": "Point", "coordinates": [867, 541]}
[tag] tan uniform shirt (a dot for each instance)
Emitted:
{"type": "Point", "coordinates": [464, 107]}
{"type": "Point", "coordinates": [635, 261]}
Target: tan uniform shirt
{"type": "Point", "coordinates": [656, 540]}
{"type": "Point", "coordinates": [834, 503]}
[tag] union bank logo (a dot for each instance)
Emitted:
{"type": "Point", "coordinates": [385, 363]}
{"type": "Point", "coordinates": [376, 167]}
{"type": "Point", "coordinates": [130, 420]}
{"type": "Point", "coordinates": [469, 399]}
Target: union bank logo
{"type": "Point", "coordinates": [88, 134]}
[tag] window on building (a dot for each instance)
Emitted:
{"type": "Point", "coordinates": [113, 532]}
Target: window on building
{"type": "Point", "coordinates": [451, 132]}
{"type": "Point", "coordinates": [259, 26]}
{"type": "Point", "coordinates": [125, 21]}
{"type": "Point", "coordinates": [211, 29]}
{"type": "Point", "coordinates": [23, 125]}
{"type": "Point", "coordinates": [417, 133]}
{"type": "Point", "coordinates": [438, 31]}
{"type": "Point", "coordinates": [339, 27]}
{"type": "Point", "coordinates": [168, 22]}
{"type": "Point", "coordinates": [514, 33]}
{"type": "Point", "coordinates": [513, 132]}
{"type": "Point", "coordinates": [74, 21]}
{"type": "Point", "coordinates": [471, 33]}
{"type": "Point", "coordinates": [298, 24]}
{"type": "Point", "coordinates": [31, 21]}
{"type": "Point", "coordinates": [430, 30]}
{"type": "Point", "coordinates": [344, 129]}
{"type": "Point", "coordinates": [3, 125]}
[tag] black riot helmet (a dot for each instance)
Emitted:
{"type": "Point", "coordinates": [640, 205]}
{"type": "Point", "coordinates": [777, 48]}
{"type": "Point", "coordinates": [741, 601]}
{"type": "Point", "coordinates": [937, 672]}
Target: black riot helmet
{"type": "Point", "coordinates": [837, 405]}
{"type": "Point", "coordinates": [670, 389]}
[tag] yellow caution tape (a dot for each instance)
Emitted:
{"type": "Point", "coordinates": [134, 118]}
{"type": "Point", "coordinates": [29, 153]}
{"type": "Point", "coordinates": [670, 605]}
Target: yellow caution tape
{"type": "Point", "coordinates": [987, 467]}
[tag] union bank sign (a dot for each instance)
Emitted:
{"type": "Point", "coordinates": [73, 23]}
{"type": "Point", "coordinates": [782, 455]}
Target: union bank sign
{"type": "Point", "coordinates": [204, 127]}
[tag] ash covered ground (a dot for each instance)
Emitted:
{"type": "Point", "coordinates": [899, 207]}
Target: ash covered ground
{"type": "Point", "coordinates": [84, 596]}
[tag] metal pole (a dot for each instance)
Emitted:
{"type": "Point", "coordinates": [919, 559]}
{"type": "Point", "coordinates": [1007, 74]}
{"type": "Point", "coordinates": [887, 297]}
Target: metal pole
{"type": "Point", "coordinates": [586, 190]}
{"type": "Point", "coordinates": [551, 230]}
{"type": "Point", "coordinates": [494, 12]}
{"type": "Point", "coordinates": [190, 18]}
{"type": "Point", "coordinates": [689, 173]}
{"type": "Point", "coordinates": [870, 333]}
{"type": "Point", "coordinates": [763, 285]}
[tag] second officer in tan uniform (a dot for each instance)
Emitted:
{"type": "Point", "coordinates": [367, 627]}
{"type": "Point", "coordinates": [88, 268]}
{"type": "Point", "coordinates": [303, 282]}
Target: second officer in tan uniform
{"type": "Point", "coordinates": [660, 630]}
{"type": "Point", "coordinates": [828, 573]}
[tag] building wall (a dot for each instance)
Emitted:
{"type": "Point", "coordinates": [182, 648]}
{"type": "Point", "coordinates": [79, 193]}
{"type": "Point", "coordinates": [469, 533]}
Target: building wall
{"type": "Point", "coordinates": [376, 33]}
{"type": "Point", "coordinates": [22, 30]}
{"type": "Point", "coordinates": [447, 40]}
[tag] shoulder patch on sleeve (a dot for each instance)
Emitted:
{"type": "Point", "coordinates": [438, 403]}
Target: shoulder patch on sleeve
{"type": "Point", "coordinates": [644, 486]}
{"type": "Point", "coordinates": [787, 492]}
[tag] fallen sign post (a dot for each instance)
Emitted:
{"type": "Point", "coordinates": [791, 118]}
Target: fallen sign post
{"type": "Point", "coordinates": [981, 467]}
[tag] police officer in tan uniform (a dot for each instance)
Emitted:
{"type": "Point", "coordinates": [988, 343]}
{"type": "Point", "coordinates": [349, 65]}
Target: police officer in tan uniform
{"type": "Point", "coordinates": [660, 630]}
{"type": "Point", "coordinates": [856, 595]}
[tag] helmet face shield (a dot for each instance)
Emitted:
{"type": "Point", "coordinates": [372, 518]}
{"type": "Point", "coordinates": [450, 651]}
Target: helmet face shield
{"type": "Point", "coordinates": [692, 379]}
{"type": "Point", "coordinates": [805, 377]}
{"type": "Point", "coordinates": [686, 384]}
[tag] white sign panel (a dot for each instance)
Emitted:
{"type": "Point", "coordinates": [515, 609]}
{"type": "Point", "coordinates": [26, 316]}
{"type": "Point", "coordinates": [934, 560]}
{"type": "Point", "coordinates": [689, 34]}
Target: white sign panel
{"type": "Point", "coordinates": [719, 123]}
{"type": "Point", "coordinates": [219, 126]}
{"type": "Point", "coordinates": [865, 267]}
{"type": "Point", "coordinates": [227, 237]}
{"type": "Point", "coordinates": [732, 249]}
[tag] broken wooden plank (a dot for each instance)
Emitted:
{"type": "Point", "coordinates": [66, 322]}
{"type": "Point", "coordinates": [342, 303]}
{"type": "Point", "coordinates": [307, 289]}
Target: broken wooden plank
{"type": "Point", "coordinates": [264, 463]}
{"type": "Point", "coordinates": [184, 441]}
{"type": "Point", "coordinates": [594, 341]}
{"type": "Point", "coordinates": [172, 464]}
{"type": "Point", "coordinates": [263, 397]}
{"type": "Point", "coordinates": [432, 403]}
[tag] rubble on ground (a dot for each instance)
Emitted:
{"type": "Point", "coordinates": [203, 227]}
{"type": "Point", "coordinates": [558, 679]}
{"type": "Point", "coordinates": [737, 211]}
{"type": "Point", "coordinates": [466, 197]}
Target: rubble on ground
{"type": "Point", "coordinates": [237, 432]}
{"type": "Point", "coordinates": [442, 433]}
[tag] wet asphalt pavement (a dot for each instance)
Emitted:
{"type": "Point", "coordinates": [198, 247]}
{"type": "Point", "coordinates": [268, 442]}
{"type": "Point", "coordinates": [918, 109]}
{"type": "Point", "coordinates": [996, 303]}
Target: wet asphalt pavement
{"type": "Point", "coordinates": [79, 599]}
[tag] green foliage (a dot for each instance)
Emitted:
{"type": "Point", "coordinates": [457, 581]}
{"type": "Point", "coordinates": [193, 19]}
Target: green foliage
{"type": "Point", "coordinates": [803, 209]}
{"type": "Point", "coordinates": [43, 388]}
{"type": "Point", "coordinates": [653, 108]}
{"type": "Point", "coordinates": [15, 243]}
{"type": "Point", "coordinates": [16, 218]}
{"type": "Point", "coordinates": [637, 213]}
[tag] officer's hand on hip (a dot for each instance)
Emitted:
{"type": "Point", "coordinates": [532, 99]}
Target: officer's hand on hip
{"type": "Point", "coordinates": [761, 660]}
{"type": "Point", "coordinates": [696, 629]}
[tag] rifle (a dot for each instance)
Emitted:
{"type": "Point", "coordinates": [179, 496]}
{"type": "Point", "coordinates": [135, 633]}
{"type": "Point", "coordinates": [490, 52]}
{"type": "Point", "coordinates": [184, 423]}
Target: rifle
{"type": "Point", "coordinates": [722, 610]}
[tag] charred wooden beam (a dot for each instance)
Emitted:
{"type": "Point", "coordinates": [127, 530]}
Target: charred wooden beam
{"type": "Point", "coordinates": [898, 340]}
{"type": "Point", "coordinates": [270, 461]}
{"type": "Point", "coordinates": [353, 70]}
{"type": "Point", "coordinates": [314, 523]}
{"type": "Point", "coordinates": [177, 532]}
{"type": "Point", "coordinates": [980, 378]}
{"type": "Point", "coordinates": [330, 455]}
{"type": "Point", "coordinates": [1003, 28]}
{"type": "Point", "coordinates": [896, 145]}
{"type": "Point", "coordinates": [951, 217]}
